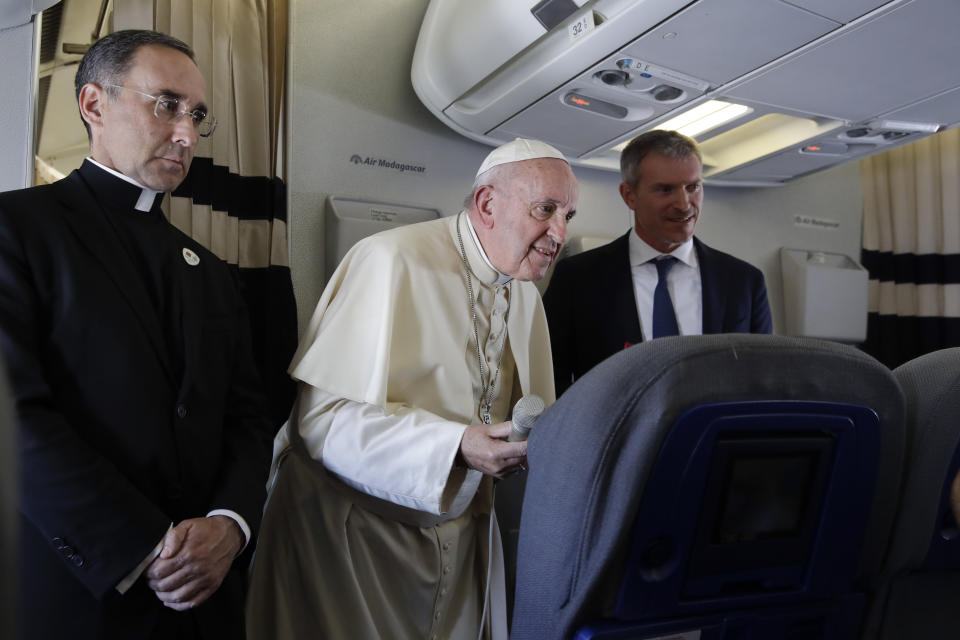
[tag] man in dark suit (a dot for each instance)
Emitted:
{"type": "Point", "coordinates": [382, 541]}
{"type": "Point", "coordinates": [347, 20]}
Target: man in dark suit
{"type": "Point", "coordinates": [602, 301]}
{"type": "Point", "coordinates": [143, 443]}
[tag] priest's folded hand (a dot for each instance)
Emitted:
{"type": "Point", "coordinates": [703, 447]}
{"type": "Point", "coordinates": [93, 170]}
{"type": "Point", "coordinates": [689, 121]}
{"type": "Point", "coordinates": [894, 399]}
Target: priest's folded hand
{"type": "Point", "coordinates": [196, 555]}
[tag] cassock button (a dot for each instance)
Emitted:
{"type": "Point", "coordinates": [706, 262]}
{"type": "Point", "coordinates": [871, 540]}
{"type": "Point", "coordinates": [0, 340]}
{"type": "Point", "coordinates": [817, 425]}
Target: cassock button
{"type": "Point", "coordinates": [181, 411]}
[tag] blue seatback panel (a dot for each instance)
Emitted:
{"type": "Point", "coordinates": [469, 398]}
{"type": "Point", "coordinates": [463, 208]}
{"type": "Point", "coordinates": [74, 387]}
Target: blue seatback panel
{"type": "Point", "coordinates": [836, 619]}
{"type": "Point", "coordinates": [752, 504]}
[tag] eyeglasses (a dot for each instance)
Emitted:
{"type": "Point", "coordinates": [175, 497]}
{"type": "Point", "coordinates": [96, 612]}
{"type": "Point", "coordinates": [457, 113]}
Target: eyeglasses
{"type": "Point", "coordinates": [167, 109]}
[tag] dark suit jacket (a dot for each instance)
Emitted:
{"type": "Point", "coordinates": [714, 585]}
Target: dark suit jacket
{"type": "Point", "coordinates": [592, 310]}
{"type": "Point", "coordinates": [114, 444]}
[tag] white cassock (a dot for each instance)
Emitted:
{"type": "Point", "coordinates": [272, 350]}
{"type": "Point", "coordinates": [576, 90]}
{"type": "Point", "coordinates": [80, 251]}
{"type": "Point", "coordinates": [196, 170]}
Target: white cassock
{"type": "Point", "coordinates": [371, 530]}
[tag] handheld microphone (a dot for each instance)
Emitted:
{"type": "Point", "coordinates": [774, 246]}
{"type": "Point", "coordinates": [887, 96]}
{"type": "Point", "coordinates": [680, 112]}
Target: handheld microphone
{"type": "Point", "coordinates": [525, 413]}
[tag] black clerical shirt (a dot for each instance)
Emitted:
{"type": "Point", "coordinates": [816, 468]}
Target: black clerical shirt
{"type": "Point", "coordinates": [150, 241]}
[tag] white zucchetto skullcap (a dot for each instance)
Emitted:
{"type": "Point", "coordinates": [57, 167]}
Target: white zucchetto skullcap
{"type": "Point", "coordinates": [517, 151]}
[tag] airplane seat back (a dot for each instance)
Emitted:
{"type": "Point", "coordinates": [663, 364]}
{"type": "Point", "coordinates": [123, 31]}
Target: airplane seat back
{"type": "Point", "coordinates": [9, 510]}
{"type": "Point", "coordinates": [739, 486]}
{"type": "Point", "coordinates": [917, 596]}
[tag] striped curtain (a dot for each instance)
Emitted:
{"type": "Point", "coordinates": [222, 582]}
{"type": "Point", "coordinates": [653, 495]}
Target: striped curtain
{"type": "Point", "coordinates": [911, 247]}
{"type": "Point", "coordinates": [233, 200]}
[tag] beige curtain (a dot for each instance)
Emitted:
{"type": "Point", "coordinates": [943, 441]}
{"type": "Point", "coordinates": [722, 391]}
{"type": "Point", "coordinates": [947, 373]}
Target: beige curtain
{"type": "Point", "coordinates": [234, 199]}
{"type": "Point", "coordinates": [233, 43]}
{"type": "Point", "coordinates": [911, 247]}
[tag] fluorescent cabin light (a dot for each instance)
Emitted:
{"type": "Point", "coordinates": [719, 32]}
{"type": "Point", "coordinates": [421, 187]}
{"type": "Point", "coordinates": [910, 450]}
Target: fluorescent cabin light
{"type": "Point", "coordinates": [744, 143]}
{"type": "Point", "coordinates": [704, 117]}
{"type": "Point", "coordinates": [758, 138]}
{"type": "Point", "coordinates": [701, 118]}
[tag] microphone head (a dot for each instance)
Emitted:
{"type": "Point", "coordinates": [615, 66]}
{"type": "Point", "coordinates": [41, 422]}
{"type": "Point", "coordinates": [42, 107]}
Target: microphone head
{"type": "Point", "coordinates": [526, 411]}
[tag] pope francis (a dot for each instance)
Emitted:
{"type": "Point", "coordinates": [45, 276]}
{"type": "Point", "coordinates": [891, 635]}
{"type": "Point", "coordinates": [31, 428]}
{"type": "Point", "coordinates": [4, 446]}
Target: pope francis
{"type": "Point", "coordinates": [380, 519]}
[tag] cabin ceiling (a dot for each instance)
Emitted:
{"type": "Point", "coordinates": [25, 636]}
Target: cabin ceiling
{"type": "Point", "coordinates": [771, 89]}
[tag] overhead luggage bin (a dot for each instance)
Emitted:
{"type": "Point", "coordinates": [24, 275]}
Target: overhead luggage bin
{"type": "Point", "coordinates": [772, 89]}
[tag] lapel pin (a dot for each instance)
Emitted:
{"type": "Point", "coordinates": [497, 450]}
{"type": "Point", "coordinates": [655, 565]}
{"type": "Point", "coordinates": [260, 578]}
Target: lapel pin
{"type": "Point", "coordinates": [190, 257]}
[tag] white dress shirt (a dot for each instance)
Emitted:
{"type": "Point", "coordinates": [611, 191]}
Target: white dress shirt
{"type": "Point", "coordinates": [683, 283]}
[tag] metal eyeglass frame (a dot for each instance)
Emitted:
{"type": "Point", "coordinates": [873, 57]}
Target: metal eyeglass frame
{"type": "Point", "coordinates": [200, 125]}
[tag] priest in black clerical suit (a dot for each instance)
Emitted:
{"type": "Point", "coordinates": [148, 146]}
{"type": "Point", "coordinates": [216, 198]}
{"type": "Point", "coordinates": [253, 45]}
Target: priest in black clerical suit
{"type": "Point", "coordinates": [143, 439]}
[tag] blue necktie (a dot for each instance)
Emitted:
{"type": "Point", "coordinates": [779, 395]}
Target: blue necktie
{"type": "Point", "coordinates": [664, 317]}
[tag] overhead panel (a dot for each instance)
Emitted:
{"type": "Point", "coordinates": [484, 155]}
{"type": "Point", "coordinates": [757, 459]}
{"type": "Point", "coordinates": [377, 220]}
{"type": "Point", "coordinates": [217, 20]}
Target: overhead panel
{"type": "Point", "coordinates": [719, 40]}
{"type": "Point", "coordinates": [759, 138]}
{"type": "Point", "coordinates": [607, 101]}
{"type": "Point", "coordinates": [827, 149]}
{"type": "Point", "coordinates": [573, 130]}
{"type": "Point", "coordinates": [937, 109]}
{"type": "Point", "coordinates": [782, 166]}
{"type": "Point", "coordinates": [852, 77]}
{"type": "Point", "coordinates": [664, 69]}
{"type": "Point", "coordinates": [539, 69]}
{"type": "Point", "coordinates": [842, 11]}
{"type": "Point", "coordinates": [873, 68]}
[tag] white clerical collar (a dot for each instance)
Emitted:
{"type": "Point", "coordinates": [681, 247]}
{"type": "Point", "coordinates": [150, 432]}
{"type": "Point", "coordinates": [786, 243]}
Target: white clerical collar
{"type": "Point", "coordinates": [147, 195]}
{"type": "Point", "coordinates": [502, 278]}
{"type": "Point", "coordinates": [641, 252]}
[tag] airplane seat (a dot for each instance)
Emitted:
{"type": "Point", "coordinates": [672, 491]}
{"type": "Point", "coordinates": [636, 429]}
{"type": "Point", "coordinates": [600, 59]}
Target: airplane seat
{"type": "Point", "coordinates": [920, 585]}
{"type": "Point", "coordinates": [711, 487]}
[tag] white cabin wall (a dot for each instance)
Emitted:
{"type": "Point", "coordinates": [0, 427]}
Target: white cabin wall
{"type": "Point", "coordinates": [753, 224]}
{"type": "Point", "coordinates": [350, 94]}
{"type": "Point", "coordinates": [17, 46]}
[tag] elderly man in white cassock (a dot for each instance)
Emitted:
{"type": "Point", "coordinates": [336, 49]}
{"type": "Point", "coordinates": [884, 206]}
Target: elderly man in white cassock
{"type": "Point", "coordinates": [380, 522]}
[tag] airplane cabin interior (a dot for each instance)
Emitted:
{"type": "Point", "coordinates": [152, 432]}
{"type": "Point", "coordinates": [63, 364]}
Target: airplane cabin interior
{"type": "Point", "coordinates": [722, 487]}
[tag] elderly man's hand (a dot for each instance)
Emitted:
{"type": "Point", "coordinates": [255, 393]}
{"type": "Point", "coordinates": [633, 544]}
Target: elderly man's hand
{"type": "Point", "coordinates": [955, 497]}
{"type": "Point", "coordinates": [483, 448]}
{"type": "Point", "coordinates": [196, 556]}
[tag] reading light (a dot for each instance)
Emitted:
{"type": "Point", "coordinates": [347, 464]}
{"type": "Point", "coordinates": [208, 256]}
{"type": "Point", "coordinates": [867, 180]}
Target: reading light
{"type": "Point", "coordinates": [704, 117]}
